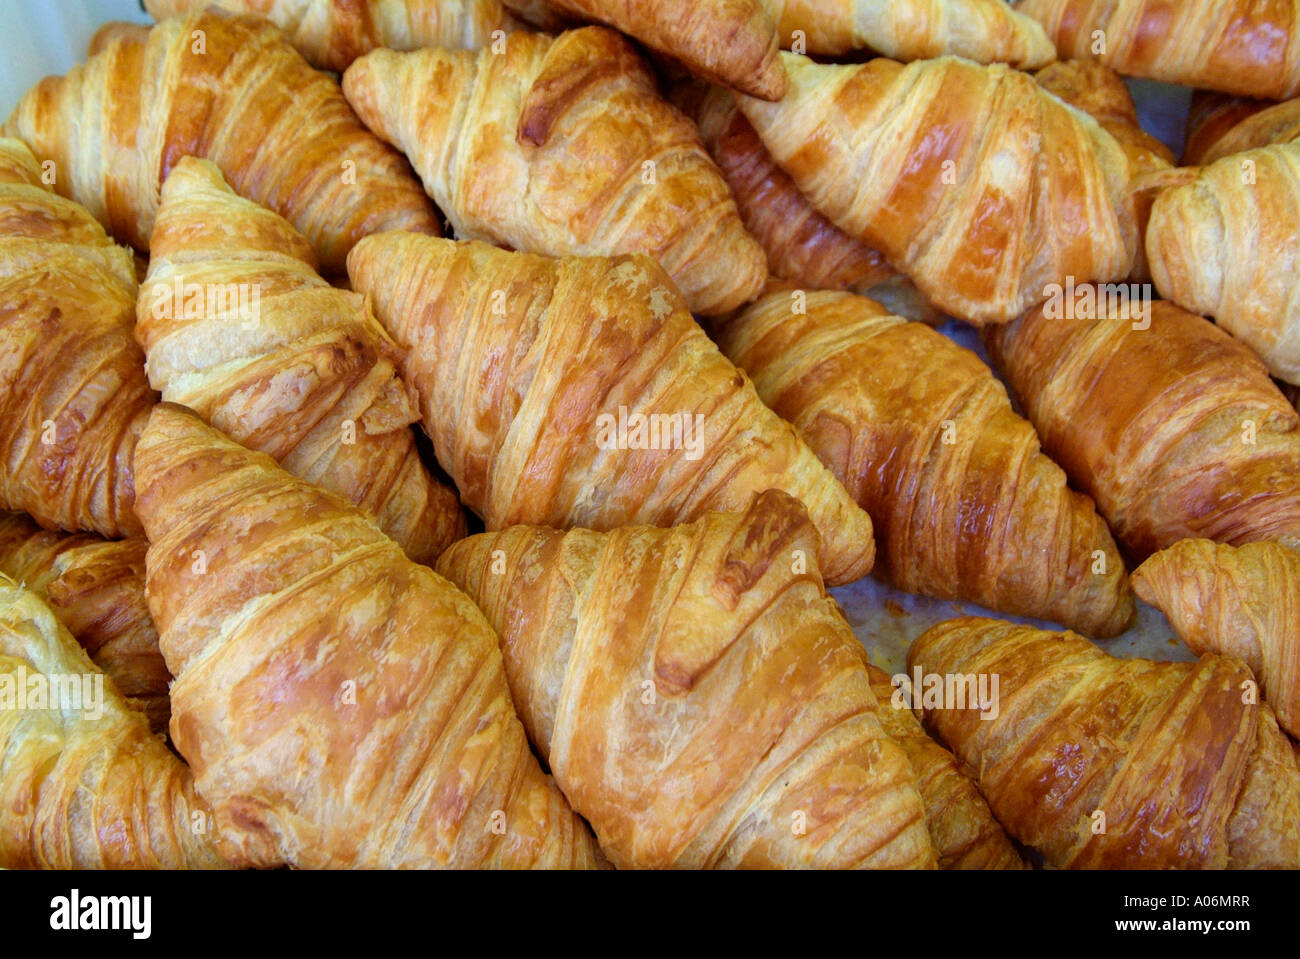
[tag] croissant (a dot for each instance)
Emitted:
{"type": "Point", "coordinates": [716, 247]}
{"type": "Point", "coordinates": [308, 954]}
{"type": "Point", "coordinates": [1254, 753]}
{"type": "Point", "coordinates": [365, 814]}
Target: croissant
{"type": "Point", "coordinates": [563, 147]}
{"type": "Point", "coordinates": [732, 42]}
{"type": "Point", "coordinates": [1236, 46]}
{"type": "Point", "coordinates": [1098, 91]}
{"type": "Point", "coordinates": [96, 589]}
{"type": "Point", "coordinates": [580, 392]}
{"type": "Point", "coordinates": [964, 833]}
{"type": "Point", "coordinates": [73, 392]}
{"type": "Point", "coordinates": [304, 373]}
{"type": "Point", "coordinates": [979, 186]}
{"type": "Point", "coordinates": [1238, 601]}
{"type": "Point", "coordinates": [340, 705]}
{"type": "Point", "coordinates": [1109, 763]}
{"type": "Point", "coordinates": [84, 784]}
{"type": "Point", "coordinates": [1219, 126]}
{"type": "Point", "coordinates": [1227, 245]}
{"type": "Point", "coordinates": [922, 435]}
{"type": "Point", "coordinates": [1168, 423]}
{"type": "Point", "coordinates": [987, 31]}
{"type": "Point", "coordinates": [233, 90]}
{"type": "Point", "coordinates": [697, 695]}
{"type": "Point", "coordinates": [801, 244]}
{"type": "Point", "coordinates": [333, 33]}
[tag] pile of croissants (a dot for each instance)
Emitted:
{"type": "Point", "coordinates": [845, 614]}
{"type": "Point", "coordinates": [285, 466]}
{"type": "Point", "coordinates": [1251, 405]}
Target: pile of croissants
{"type": "Point", "coordinates": [254, 406]}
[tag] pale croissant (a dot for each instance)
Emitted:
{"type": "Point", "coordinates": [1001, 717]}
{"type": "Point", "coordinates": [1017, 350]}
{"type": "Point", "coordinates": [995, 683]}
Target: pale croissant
{"type": "Point", "coordinates": [73, 392]}
{"type": "Point", "coordinates": [1236, 46]}
{"type": "Point", "coordinates": [697, 695]}
{"type": "Point", "coordinates": [1227, 245]}
{"type": "Point", "coordinates": [962, 828]}
{"type": "Point", "coordinates": [987, 31]}
{"type": "Point", "coordinates": [340, 705]}
{"type": "Point", "coordinates": [84, 784]}
{"type": "Point", "coordinates": [732, 42]}
{"type": "Point", "coordinates": [1109, 763]}
{"type": "Point", "coordinates": [96, 588]}
{"type": "Point", "coordinates": [284, 363]}
{"type": "Point", "coordinates": [1171, 426]}
{"type": "Point", "coordinates": [972, 180]}
{"type": "Point", "coordinates": [922, 435]}
{"type": "Point", "coordinates": [580, 392]}
{"type": "Point", "coordinates": [333, 33]}
{"type": "Point", "coordinates": [562, 147]}
{"type": "Point", "coordinates": [232, 90]}
{"type": "Point", "coordinates": [1241, 601]}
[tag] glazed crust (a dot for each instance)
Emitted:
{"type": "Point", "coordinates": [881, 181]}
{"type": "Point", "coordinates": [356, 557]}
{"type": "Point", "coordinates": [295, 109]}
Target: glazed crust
{"type": "Point", "coordinates": [696, 693]}
{"type": "Point", "coordinates": [962, 828]}
{"type": "Point", "coordinates": [340, 705]}
{"type": "Point", "coordinates": [972, 180]}
{"type": "Point", "coordinates": [1185, 772]}
{"type": "Point", "coordinates": [526, 365]}
{"type": "Point", "coordinates": [307, 375]}
{"type": "Point", "coordinates": [1247, 47]}
{"type": "Point", "coordinates": [732, 42]}
{"type": "Point", "coordinates": [96, 589]}
{"type": "Point", "coordinates": [73, 393]}
{"type": "Point", "coordinates": [986, 31]}
{"type": "Point", "coordinates": [333, 33]}
{"type": "Point", "coordinates": [801, 245]}
{"type": "Point", "coordinates": [1156, 423]}
{"type": "Point", "coordinates": [88, 787]}
{"type": "Point", "coordinates": [563, 147]}
{"type": "Point", "coordinates": [1225, 245]}
{"type": "Point", "coordinates": [922, 435]}
{"type": "Point", "coordinates": [1240, 601]}
{"type": "Point", "coordinates": [231, 90]}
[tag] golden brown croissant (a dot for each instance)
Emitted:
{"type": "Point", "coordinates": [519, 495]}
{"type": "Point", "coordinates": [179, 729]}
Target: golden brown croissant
{"type": "Point", "coordinates": [237, 325]}
{"type": "Point", "coordinates": [988, 31]}
{"type": "Point", "coordinates": [923, 436]}
{"type": "Point", "coordinates": [732, 42]}
{"type": "Point", "coordinates": [1227, 245]}
{"type": "Point", "coordinates": [962, 828]}
{"type": "Point", "coordinates": [233, 90]}
{"type": "Point", "coordinates": [1240, 601]}
{"type": "Point", "coordinates": [563, 147]}
{"type": "Point", "coordinates": [1111, 763]}
{"type": "Point", "coordinates": [333, 33]}
{"type": "Point", "coordinates": [1168, 423]}
{"type": "Point", "coordinates": [84, 784]}
{"type": "Point", "coordinates": [580, 392]}
{"type": "Point", "coordinates": [697, 695]}
{"type": "Point", "coordinates": [1221, 125]}
{"type": "Point", "coordinates": [801, 244]}
{"type": "Point", "coordinates": [73, 392]}
{"type": "Point", "coordinates": [96, 588]}
{"type": "Point", "coordinates": [1237, 46]}
{"type": "Point", "coordinates": [974, 182]}
{"type": "Point", "coordinates": [340, 705]}
{"type": "Point", "coordinates": [1098, 91]}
